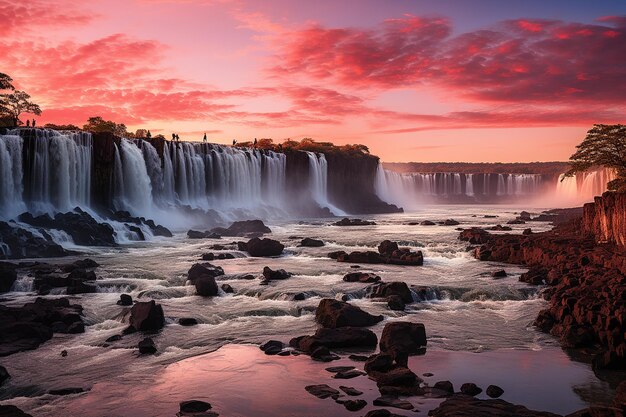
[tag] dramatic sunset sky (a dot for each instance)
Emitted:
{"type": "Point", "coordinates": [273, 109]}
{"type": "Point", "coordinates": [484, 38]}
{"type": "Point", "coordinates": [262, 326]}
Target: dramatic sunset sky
{"type": "Point", "coordinates": [415, 80]}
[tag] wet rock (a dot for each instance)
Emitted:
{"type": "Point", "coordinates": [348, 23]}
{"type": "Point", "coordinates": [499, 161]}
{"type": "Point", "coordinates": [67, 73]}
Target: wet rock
{"type": "Point", "coordinates": [187, 321]}
{"type": "Point", "coordinates": [501, 273]}
{"type": "Point", "coordinates": [353, 222]}
{"type": "Point", "coordinates": [354, 405]}
{"type": "Point", "coordinates": [352, 373]}
{"type": "Point", "coordinates": [323, 354]}
{"type": "Point", "coordinates": [262, 247]}
{"type": "Point", "coordinates": [23, 244]}
{"type": "Point", "coordinates": [243, 228]}
{"type": "Point", "coordinates": [527, 231]}
{"type": "Point", "coordinates": [83, 228]}
{"type": "Point", "coordinates": [363, 277]}
{"type": "Point", "coordinates": [205, 269]}
{"type": "Point", "coordinates": [194, 406]}
{"type": "Point", "coordinates": [147, 346]}
{"type": "Point", "coordinates": [535, 276]}
{"type": "Point", "coordinates": [460, 405]}
{"type": "Point", "coordinates": [475, 236]}
{"type": "Point", "coordinates": [390, 401]}
{"type": "Point", "coordinates": [500, 228]}
{"type": "Point", "coordinates": [337, 254]}
{"type": "Point", "coordinates": [524, 215]}
{"type": "Point", "coordinates": [4, 375]}
{"type": "Point", "coordinates": [494, 391]}
{"type": "Point", "coordinates": [399, 380]}
{"type": "Point", "coordinates": [351, 391]}
{"type": "Point", "coordinates": [445, 386]}
{"type": "Point", "coordinates": [311, 243]}
{"type": "Point", "coordinates": [271, 275]}
{"type": "Point", "coordinates": [470, 388]}
{"type": "Point", "coordinates": [387, 247]}
{"type": "Point", "coordinates": [401, 337]}
{"type": "Point", "coordinates": [380, 362]}
{"type": "Point", "coordinates": [395, 303]}
{"type": "Point", "coordinates": [125, 300]}
{"type": "Point", "coordinates": [111, 339]}
{"type": "Point", "coordinates": [227, 288]}
{"type": "Point", "coordinates": [146, 317]}
{"type": "Point", "coordinates": [299, 296]}
{"type": "Point", "coordinates": [195, 234]}
{"type": "Point", "coordinates": [206, 286]}
{"type": "Point", "coordinates": [333, 313]}
{"type": "Point", "coordinates": [64, 353]}
{"type": "Point", "coordinates": [388, 289]}
{"type": "Point", "coordinates": [272, 347]}
{"type": "Point", "coordinates": [12, 411]}
{"type": "Point", "coordinates": [450, 222]}
{"type": "Point", "coordinates": [220, 256]}
{"type": "Point", "coordinates": [66, 391]}
{"type": "Point", "coordinates": [516, 221]}
{"type": "Point", "coordinates": [344, 337]}
{"type": "Point", "coordinates": [427, 223]}
{"type": "Point", "coordinates": [358, 358]}
{"type": "Point", "coordinates": [335, 369]}
{"type": "Point", "coordinates": [322, 391]}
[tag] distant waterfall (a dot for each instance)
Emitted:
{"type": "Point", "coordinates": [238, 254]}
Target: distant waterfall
{"type": "Point", "coordinates": [583, 187]}
{"type": "Point", "coordinates": [11, 186]}
{"type": "Point", "coordinates": [318, 177]}
{"type": "Point", "coordinates": [469, 185]}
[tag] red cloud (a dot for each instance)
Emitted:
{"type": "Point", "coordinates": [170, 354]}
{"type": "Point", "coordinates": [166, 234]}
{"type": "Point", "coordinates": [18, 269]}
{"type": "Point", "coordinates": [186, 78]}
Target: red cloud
{"type": "Point", "coordinates": [36, 14]}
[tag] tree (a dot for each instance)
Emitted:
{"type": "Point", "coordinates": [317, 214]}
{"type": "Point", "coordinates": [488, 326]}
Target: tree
{"type": "Point", "coordinates": [6, 82]}
{"type": "Point", "coordinates": [15, 103]}
{"type": "Point", "coordinates": [61, 127]}
{"type": "Point", "coordinates": [604, 146]}
{"type": "Point", "coordinates": [98, 124]}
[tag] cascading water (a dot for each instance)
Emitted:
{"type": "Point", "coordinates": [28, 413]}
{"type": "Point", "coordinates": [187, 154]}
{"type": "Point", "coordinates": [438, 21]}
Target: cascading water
{"type": "Point", "coordinates": [11, 187]}
{"type": "Point", "coordinates": [583, 187]}
{"type": "Point", "coordinates": [133, 190]}
{"type": "Point", "coordinates": [318, 177]}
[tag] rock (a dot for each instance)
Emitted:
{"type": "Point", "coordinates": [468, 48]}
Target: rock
{"type": "Point", "coordinates": [460, 405]}
{"type": "Point", "coordinates": [299, 296]}
{"type": "Point", "coordinates": [194, 234]}
{"type": "Point", "coordinates": [470, 388]}
{"type": "Point", "coordinates": [194, 406]}
{"type": "Point", "coordinates": [363, 277]}
{"type": "Point", "coordinates": [427, 223]}
{"type": "Point", "coordinates": [312, 243]}
{"type": "Point", "coordinates": [66, 391]}
{"type": "Point", "coordinates": [4, 375]}
{"type": "Point", "coordinates": [278, 274]}
{"type": "Point", "coordinates": [380, 362]}
{"type": "Point", "coordinates": [516, 221]}
{"type": "Point", "coordinates": [358, 358]}
{"type": "Point", "coordinates": [475, 236]}
{"type": "Point", "coordinates": [344, 337]}
{"type": "Point", "coordinates": [146, 317]}
{"type": "Point", "coordinates": [333, 313]}
{"type": "Point", "coordinates": [147, 346]}
{"type": "Point", "coordinates": [323, 354]}
{"type": "Point", "coordinates": [227, 288]}
{"type": "Point", "coordinates": [352, 373]}
{"type": "Point", "coordinates": [81, 226]}
{"type": "Point", "coordinates": [451, 222]}
{"type": "Point", "coordinates": [12, 411]}
{"type": "Point", "coordinates": [187, 321]}
{"type": "Point", "coordinates": [337, 254]}
{"type": "Point", "coordinates": [387, 247]}
{"type": "Point", "coordinates": [206, 286]}
{"type": "Point", "coordinates": [527, 231]}
{"type": "Point", "coordinates": [264, 247]}
{"type": "Point", "coordinates": [64, 352]}
{"type": "Point", "coordinates": [391, 401]}
{"type": "Point", "coordinates": [354, 405]}
{"type": "Point", "coordinates": [335, 369]}
{"type": "Point", "coordinates": [353, 222]}
{"type": "Point", "coordinates": [403, 337]}
{"type": "Point", "coordinates": [395, 303]}
{"type": "Point", "coordinates": [243, 228]}
{"type": "Point", "coordinates": [535, 276]}
{"type": "Point", "coordinates": [399, 380]}
{"type": "Point", "coordinates": [501, 273]}
{"type": "Point", "coordinates": [114, 338]}
{"type": "Point", "coordinates": [8, 275]}
{"type": "Point", "coordinates": [272, 347]}
{"type": "Point", "coordinates": [494, 391]}
{"type": "Point", "coordinates": [322, 391]}
{"type": "Point", "coordinates": [353, 392]}
{"type": "Point", "coordinates": [125, 300]}
{"type": "Point", "coordinates": [524, 215]}
{"type": "Point", "coordinates": [205, 269]}
{"type": "Point", "coordinates": [500, 228]}
{"type": "Point", "coordinates": [23, 244]}
{"type": "Point", "coordinates": [388, 289]}
{"type": "Point", "coordinates": [445, 386]}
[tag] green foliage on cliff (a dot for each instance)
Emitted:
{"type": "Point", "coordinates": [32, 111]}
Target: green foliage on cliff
{"type": "Point", "coordinates": [61, 127]}
{"type": "Point", "coordinates": [98, 124]}
{"type": "Point", "coordinates": [604, 146]}
{"type": "Point", "coordinates": [308, 144]}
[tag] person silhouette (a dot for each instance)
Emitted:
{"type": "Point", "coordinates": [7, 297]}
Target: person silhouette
{"type": "Point", "coordinates": [173, 137]}
{"type": "Point", "coordinates": [204, 139]}
{"type": "Point", "coordinates": [255, 142]}
{"type": "Point", "coordinates": [148, 135]}
{"type": "Point", "coordinates": [33, 122]}
{"type": "Point", "coordinates": [28, 123]}
{"type": "Point", "coordinates": [234, 142]}
{"type": "Point", "coordinates": [177, 138]}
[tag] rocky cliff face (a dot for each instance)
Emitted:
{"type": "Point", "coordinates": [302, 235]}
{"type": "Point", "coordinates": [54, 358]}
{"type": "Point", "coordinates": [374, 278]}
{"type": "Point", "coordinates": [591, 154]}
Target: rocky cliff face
{"type": "Point", "coordinates": [103, 162]}
{"type": "Point", "coordinates": [605, 218]}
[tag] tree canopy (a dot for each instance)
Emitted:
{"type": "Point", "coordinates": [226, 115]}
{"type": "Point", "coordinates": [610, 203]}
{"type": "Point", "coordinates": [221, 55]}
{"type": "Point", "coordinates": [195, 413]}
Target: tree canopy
{"type": "Point", "coordinates": [604, 146]}
{"type": "Point", "coordinates": [98, 124]}
{"type": "Point", "coordinates": [6, 82]}
{"type": "Point", "coordinates": [13, 104]}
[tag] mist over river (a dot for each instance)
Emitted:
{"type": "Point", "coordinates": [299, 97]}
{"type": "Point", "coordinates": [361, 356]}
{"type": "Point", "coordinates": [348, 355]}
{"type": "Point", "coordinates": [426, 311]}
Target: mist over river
{"type": "Point", "coordinates": [478, 327]}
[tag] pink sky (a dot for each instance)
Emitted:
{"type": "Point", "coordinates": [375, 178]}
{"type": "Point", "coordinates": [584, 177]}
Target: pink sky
{"type": "Point", "coordinates": [413, 80]}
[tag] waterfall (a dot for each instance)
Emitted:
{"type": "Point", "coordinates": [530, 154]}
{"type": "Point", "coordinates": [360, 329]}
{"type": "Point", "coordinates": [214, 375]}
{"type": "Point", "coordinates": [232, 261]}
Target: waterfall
{"type": "Point", "coordinates": [318, 181]}
{"type": "Point", "coordinates": [133, 190]}
{"type": "Point", "coordinates": [583, 187]}
{"type": "Point", "coordinates": [469, 185]}
{"type": "Point", "coordinates": [11, 186]}
{"type": "Point", "coordinates": [501, 185]}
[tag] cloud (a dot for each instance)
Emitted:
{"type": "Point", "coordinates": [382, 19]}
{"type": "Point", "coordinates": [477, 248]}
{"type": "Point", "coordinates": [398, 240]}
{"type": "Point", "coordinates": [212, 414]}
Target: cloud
{"type": "Point", "coordinates": [18, 16]}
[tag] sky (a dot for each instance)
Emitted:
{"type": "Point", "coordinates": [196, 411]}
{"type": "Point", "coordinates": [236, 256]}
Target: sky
{"type": "Point", "coordinates": [414, 80]}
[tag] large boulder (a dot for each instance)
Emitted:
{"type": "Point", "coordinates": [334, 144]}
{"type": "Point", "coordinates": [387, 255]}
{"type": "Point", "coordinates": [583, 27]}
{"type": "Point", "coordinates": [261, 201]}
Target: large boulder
{"type": "Point", "coordinates": [461, 405]}
{"type": "Point", "coordinates": [206, 286]}
{"type": "Point", "coordinates": [20, 243]}
{"type": "Point", "coordinates": [475, 236]}
{"type": "Point", "coordinates": [12, 411]}
{"type": "Point", "coordinates": [353, 222]}
{"type": "Point", "coordinates": [243, 228]}
{"type": "Point", "coordinates": [388, 289]}
{"type": "Point", "coordinates": [334, 313]}
{"type": "Point", "coordinates": [204, 270]}
{"type": "Point", "coordinates": [363, 277]}
{"type": "Point", "coordinates": [81, 226]}
{"type": "Point", "coordinates": [263, 247]}
{"type": "Point", "coordinates": [279, 274]}
{"type": "Point", "coordinates": [146, 317]}
{"type": "Point", "coordinates": [345, 337]}
{"type": "Point", "coordinates": [311, 243]}
{"type": "Point", "coordinates": [403, 337]}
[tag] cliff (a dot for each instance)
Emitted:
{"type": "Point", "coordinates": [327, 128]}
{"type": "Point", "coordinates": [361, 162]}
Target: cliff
{"type": "Point", "coordinates": [605, 218]}
{"type": "Point", "coordinates": [102, 168]}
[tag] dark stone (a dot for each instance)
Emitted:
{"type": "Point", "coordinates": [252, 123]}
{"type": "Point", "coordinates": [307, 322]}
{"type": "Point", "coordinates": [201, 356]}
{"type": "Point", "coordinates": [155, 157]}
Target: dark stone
{"type": "Point", "coordinates": [66, 391]}
{"type": "Point", "coordinates": [206, 286]}
{"type": "Point", "coordinates": [146, 316]}
{"type": "Point", "coordinates": [387, 289]}
{"type": "Point", "coordinates": [387, 247]}
{"type": "Point", "coordinates": [353, 392]}
{"type": "Point", "coordinates": [501, 273]}
{"type": "Point", "coordinates": [114, 338]}
{"type": "Point", "coordinates": [344, 337]}
{"type": "Point", "coordinates": [243, 228]}
{"type": "Point", "coordinates": [354, 405]}
{"type": "Point", "coordinates": [12, 411]}
{"type": "Point", "coordinates": [381, 362]}
{"type": "Point", "coordinates": [299, 296]}
{"type": "Point", "coordinates": [278, 274]}
{"type": "Point", "coordinates": [322, 391]}
{"type": "Point", "coordinates": [147, 346]}
{"type": "Point", "coordinates": [460, 405]}
{"type": "Point", "coordinates": [8, 275]}
{"type": "Point", "coordinates": [337, 254]}
{"type": "Point", "coordinates": [263, 247]}
{"type": "Point", "coordinates": [273, 346]}
{"type": "Point", "coordinates": [363, 277]}
{"type": "Point", "coordinates": [333, 313]}
{"type": "Point", "coordinates": [194, 406]}
{"type": "Point", "coordinates": [445, 386]}
{"type": "Point", "coordinates": [391, 401]}
{"type": "Point", "coordinates": [194, 234]}
{"type": "Point", "coordinates": [323, 354]}
{"type": "Point", "coordinates": [335, 369]}
{"type": "Point", "coordinates": [403, 337]}
{"type": "Point", "coordinates": [353, 373]}
{"type": "Point", "coordinates": [353, 222]}
{"type": "Point", "coordinates": [125, 300]}
{"type": "Point", "coordinates": [4, 375]}
{"type": "Point", "coordinates": [427, 223]}
{"type": "Point", "coordinates": [23, 244]}
{"type": "Point", "coordinates": [494, 391]}
{"type": "Point", "coordinates": [227, 289]}
{"type": "Point", "coordinates": [450, 222]}
{"type": "Point", "coordinates": [470, 388]}
{"type": "Point", "coordinates": [205, 269]}
{"type": "Point", "coordinates": [187, 321]}
{"type": "Point", "coordinates": [395, 303]}
{"type": "Point", "coordinates": [312, 243]}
